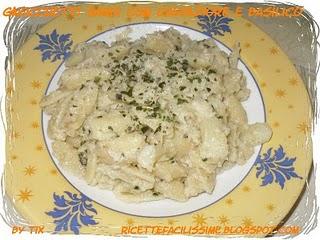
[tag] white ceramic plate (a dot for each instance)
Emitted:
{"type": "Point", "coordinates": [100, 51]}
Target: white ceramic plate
{"type": "Point", "coordinates": [226, 181]}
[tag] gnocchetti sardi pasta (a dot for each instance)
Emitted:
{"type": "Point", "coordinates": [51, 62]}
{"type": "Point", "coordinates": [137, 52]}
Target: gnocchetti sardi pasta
{"type": "Point", "coordinates": [153, 118]}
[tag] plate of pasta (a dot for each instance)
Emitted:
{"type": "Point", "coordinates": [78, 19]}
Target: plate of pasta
{"type": "Point", "coordinates": [154, 115]}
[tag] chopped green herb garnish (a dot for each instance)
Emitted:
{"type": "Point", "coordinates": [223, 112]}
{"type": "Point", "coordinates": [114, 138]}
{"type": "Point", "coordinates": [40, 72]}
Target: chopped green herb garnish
{"type": "Point", "coordinates": [97, 79]}
{"type": "Point", "coordinates": [162, 84]}
{"type": "Point", "coordinates": [169, 62]}
{"type": "Point", "coordinates": [181, 88]}
{"type": "Point", "coordinates": [146, 77]}
{"type": "Point", "coordinates": [83, 158]}
{"type": "Point", "coordinates": [181, 101]}
{"type": "Point", "coordinates": [145, 128]}
{"type": "Point", "coordinates": [124, 66]}
{"type": "Point", "coordinates": [118, 96]}
{"type": "Point", "coordinates": [158, 129]}
{"type": "Point", "coordinates": [211, 71]}
{"type": "Point", "coordinates": [172, 74]}
{"type": "Point", "coordinates": [133, 102]}
{"type": "Point", "coordinates": [185, 64]}
{"type": "Point", "coordinates": [135, 67]}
